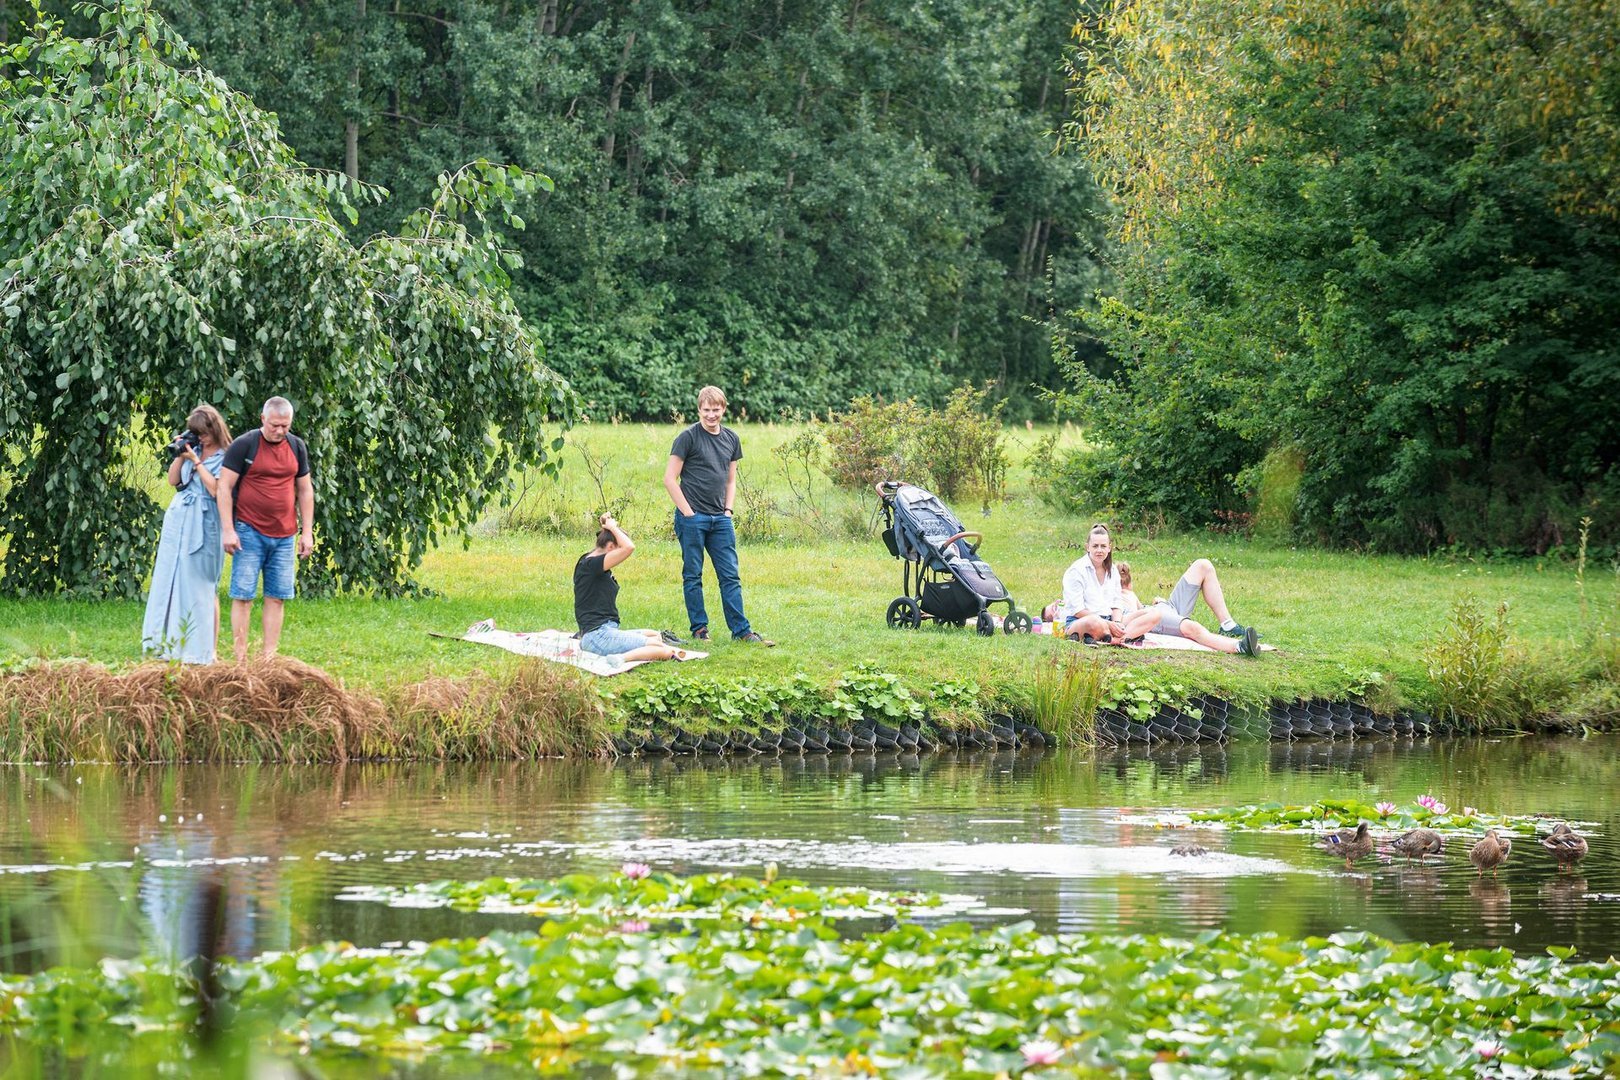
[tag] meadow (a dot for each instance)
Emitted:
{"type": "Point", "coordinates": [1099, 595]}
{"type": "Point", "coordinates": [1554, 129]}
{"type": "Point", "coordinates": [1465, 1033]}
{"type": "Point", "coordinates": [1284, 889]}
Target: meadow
{"type": "Point", "coordinates": [818, 579]}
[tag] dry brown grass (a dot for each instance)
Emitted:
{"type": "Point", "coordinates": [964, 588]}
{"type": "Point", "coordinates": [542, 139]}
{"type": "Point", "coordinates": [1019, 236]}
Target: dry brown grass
{"type": "Point", "coordinates": [539, 710]}
{"type": "Point", "coordinates": [283, 710]}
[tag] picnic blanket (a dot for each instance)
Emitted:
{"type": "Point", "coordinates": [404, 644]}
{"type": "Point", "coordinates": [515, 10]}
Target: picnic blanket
{"type": "Point", "coordinates": [558, 646]}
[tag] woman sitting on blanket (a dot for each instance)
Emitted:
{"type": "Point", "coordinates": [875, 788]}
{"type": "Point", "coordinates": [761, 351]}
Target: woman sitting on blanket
{"type": "Point", "coordinates": [1094, 600]}
{"type": "Point", "coordinates": [1091, 607]}
{"type": "Point", "coordinates": [596, 603]}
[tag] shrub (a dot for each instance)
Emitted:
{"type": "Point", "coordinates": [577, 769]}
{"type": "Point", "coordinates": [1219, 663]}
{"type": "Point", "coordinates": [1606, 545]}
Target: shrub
{"type": "Point", "coordinates": [1465, 667]}
{"type": "Point", "coordinates": [961, 446]}
{"type": "Point", "coordinates": [871, 441]}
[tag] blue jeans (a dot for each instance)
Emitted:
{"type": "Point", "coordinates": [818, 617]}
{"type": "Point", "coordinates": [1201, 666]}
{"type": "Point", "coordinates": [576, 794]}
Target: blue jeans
{"type": "Point", "coordinates": [273, 556]}
{"type": "Point", "coordinates": [712, 533]}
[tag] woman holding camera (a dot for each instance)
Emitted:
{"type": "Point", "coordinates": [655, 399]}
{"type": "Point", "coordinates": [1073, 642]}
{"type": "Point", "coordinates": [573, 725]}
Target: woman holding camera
{"type": "Point", "coordinates": [182, 610]}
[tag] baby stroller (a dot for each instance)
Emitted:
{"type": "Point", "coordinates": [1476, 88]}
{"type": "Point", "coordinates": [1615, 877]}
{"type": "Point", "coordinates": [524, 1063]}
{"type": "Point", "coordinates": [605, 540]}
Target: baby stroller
{"type": "Point", "coordinates": [951, 584]}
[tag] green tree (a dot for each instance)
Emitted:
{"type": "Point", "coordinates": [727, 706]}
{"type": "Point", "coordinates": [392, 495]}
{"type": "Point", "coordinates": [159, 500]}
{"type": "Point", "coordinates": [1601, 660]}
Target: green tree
{"type": "Point", "coordinates": [160, 245]}
{"type": "Point", "coordinates": [1378, 235]}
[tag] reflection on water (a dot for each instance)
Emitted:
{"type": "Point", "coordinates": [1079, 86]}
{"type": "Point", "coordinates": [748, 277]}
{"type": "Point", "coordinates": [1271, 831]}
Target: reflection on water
{"type": "Point", "coordinates": [122, 854]}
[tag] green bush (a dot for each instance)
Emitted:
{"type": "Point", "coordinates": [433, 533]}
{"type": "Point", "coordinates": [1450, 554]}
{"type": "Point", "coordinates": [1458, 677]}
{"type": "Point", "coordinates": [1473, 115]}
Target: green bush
{"type": "Point", "coordinates": [955, 450]}
{"type": "Point", "coordinates": [1466, 666]}
{"type": "Point", "coordinates": [871, 441]}
{"type": "Point", "coordinates": [961, 448]}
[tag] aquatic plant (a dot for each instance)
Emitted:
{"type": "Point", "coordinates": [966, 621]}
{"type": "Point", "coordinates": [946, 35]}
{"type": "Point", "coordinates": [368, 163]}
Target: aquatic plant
{"type": "Point", "coordinates": [1329, 814]}
{"type": "Point", "coordinates": [733, 996]}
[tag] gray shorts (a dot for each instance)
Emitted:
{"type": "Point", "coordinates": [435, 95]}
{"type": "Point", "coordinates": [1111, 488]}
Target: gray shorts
{"type": "Point", "coordinates": [1183, 598]}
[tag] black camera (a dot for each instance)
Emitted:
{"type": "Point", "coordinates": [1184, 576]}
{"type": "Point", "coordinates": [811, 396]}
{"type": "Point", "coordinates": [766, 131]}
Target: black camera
{"type": "Point", "coordinates": [184, 439]}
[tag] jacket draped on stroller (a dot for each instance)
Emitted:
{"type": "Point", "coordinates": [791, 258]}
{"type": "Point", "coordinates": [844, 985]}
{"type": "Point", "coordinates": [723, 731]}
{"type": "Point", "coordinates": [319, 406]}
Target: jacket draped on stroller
{"type": "Point", "coordinates": [942, 576]}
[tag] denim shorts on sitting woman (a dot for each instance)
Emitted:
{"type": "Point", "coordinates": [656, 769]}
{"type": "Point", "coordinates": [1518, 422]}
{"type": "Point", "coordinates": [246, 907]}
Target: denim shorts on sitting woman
{"type": "Point", "coordinates": [611, 643]}
{"type": "Point", "coordinates": [273, 556]}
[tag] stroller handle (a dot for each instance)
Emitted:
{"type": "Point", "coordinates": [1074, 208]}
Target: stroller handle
{"type": "Point", "coordinates": [978, 538]}
{"type": "Point", "coordinates": [886, 488]}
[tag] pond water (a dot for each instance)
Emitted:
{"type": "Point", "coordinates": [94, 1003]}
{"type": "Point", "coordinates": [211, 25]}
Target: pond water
{"type": "Point", "coordinates": [94, 860]}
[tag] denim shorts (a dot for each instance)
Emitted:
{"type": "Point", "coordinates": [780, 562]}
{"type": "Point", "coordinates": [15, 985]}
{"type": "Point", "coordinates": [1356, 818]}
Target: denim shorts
{"type": "Point", "coordinates": [274, 556]}
{"type": "Point", "coordinates": [610, 642]}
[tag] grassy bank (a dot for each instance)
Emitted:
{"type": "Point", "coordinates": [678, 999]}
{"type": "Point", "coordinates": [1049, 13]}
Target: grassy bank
{"type": "Point", "coordinates": [818, 580]}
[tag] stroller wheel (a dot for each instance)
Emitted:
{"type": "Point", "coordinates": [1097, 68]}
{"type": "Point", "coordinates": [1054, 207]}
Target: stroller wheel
{"type": "Point", "coordinates": [985, 624]}
{"type": "Point", "coordinates": [904, 614]}
{"type": "Point", "coordinates": [1018, 622]}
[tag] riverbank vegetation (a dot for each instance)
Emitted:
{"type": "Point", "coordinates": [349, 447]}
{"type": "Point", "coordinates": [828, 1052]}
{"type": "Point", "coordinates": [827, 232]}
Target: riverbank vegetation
{"type": "Point", "coordinates": [734, 976]}
{"type": "Point", "coordinates": [1493, 643]}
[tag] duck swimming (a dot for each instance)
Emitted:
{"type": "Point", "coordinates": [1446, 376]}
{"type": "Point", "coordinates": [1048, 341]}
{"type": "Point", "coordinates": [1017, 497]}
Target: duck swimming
{"type": "Point", "coordinates": [1416, 843]}
{"type": "Point", "coordinates": [1353, 844]}
{"type": "Point", "coordinates": [1565, 845]}
{"type": "Point", "coordinates": [1490, 852]}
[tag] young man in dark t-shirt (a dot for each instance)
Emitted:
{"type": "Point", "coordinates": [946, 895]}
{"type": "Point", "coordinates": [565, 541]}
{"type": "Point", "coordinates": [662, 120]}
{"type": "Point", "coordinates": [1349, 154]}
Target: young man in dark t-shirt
{"type": "Point", "coordinates": [596, 603]}
{"type": "Point", "coordinates": [266, 513]}
{"type": "Point", "coordinates": [701, 478]}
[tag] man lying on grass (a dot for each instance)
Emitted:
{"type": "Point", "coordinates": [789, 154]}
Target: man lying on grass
{"type": "Point", "coordinates": [596, 603]}
{"type": "Point", "coordinates": [1173, 617]}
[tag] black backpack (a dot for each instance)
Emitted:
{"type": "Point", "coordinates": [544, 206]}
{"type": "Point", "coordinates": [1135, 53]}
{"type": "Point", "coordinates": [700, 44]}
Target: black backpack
{"type": "Point", "coordinates": [300, 451]}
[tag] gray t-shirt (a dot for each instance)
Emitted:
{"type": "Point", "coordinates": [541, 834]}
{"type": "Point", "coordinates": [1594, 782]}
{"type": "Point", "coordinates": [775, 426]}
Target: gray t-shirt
{"type": "Point", "coordinates": [707, 461]}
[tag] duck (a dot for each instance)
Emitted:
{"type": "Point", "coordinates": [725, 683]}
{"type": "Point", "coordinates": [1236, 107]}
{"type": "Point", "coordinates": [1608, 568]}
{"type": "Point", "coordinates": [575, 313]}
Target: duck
{"type": "Point", "coordinates": [1353, 844]}
{"type": "Point", "coordinates": [1490, 852]}
{"type": "Point", "coordinates": [1565, 845]}
{"type": "Point", "coordinates": [1416, 843]}
{"type": "Point", "coordinates": [1191, 851]}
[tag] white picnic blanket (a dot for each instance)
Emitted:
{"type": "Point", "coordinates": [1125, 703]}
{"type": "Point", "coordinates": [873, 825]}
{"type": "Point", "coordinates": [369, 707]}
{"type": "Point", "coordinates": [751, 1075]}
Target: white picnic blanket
{"type": "Point", "coordinates": [558, 646]}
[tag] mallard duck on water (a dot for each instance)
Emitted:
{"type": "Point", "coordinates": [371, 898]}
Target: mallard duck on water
{"type": "Point", "coordinates": [1352, 844]}
{"type": "Point", "coordinates": [1416, 843]}
{"type": "Point", "coordinates": [1490, 852]}
{"type": "Point", "coordinates": [1565, 845]}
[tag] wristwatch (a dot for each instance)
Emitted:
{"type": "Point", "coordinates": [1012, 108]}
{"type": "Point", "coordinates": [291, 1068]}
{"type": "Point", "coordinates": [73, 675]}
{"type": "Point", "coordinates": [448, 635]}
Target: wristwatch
{"type": "Point", "coordinates": [728, 511]}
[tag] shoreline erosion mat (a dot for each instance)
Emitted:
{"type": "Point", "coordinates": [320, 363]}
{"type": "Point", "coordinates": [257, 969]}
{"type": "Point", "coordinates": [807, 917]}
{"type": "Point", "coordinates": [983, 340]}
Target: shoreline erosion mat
{"type": "Point", "coordinates": [643, 972]}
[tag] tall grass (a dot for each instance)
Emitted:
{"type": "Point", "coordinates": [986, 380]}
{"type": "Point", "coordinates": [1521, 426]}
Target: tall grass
{"type": "Point", "coordinates": [1063, 694]}
{"type": "Point", "coordinates": [283, 710]}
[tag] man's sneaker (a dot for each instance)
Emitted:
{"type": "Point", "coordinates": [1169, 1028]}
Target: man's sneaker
{"type": "Point", "coordinates": [670, 638]}
{"type": "Point", "coordinates": [1249, 644]}
{"type": "Point", "coordinates": [754, 637]}
{"type": "Point", "coordinates": [1238, 630]}
{"type": "Point", "coordinates": [701, 633]}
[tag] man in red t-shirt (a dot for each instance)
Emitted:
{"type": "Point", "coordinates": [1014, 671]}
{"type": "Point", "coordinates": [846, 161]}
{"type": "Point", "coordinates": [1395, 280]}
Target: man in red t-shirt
{"type": "Point", "coordinates": [265, 499]}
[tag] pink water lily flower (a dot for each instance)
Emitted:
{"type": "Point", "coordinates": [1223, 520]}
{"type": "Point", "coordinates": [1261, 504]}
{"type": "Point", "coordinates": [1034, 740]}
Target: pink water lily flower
{"type": "Point", "coordinates": [1470, 811]}
{"type": "Point", "coordinates": [635, 871]}
{"type": "Point", "coordinates": [1385, 809]}
{"type": "Point", "coordinates": [633, 926]}
{"type": "Point", "coordinates": [1041, 1052]}
{"type": "Point", "coordinates": [1431, 804]}
{"type": "Point", "coordinates": [1487, 1050]}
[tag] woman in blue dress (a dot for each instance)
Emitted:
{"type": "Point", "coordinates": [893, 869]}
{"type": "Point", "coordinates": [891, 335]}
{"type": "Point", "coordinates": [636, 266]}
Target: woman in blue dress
{"type": "Point", "coordinates": [182, 610]}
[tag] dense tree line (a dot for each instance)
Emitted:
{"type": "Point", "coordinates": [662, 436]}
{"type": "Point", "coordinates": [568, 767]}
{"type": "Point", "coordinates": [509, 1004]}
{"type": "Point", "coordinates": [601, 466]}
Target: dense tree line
{"type": "Point", "coordinates": [1372, 244]}
{"type": "Point", "coordinates": [799, 201]}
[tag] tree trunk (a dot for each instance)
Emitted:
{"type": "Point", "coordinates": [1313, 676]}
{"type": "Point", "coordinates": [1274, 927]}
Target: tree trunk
{"type": "Point", "coordinates": [351, 127]}
{"type": "Point", "coordinates": [548, 18]}
{"type": "Point", "coordinates": [609, 139]}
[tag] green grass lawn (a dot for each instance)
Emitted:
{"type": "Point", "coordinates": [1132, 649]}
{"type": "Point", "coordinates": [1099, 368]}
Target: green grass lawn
{"type": "Point", "coordinates": [818, 579]}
